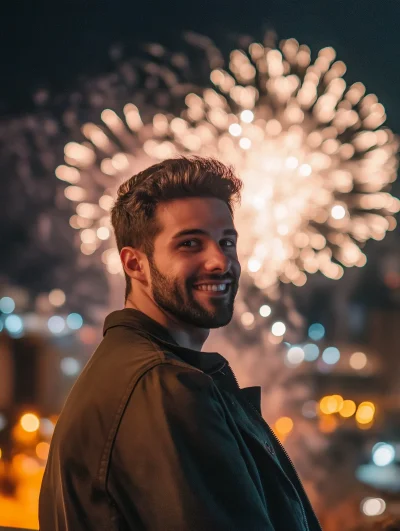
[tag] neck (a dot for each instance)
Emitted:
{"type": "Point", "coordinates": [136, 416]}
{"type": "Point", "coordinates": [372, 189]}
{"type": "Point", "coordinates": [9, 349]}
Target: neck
{"type": "Point", "coordinates": [184, 334]}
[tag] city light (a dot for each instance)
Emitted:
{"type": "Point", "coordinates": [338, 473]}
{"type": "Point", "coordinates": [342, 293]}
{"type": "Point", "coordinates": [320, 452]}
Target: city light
{"type": "Point", "coordinates": [316, 331]}
{"type": "Point", "coordinates": [383, 454]}
{"type": "Point", "coordinates": [56, 324]}
{"type": "Point", "coordinates": [295, 355]}
{"type": "Point", "coordinates": [74, 321]}
{"type": "Point", "coordinates": [348, 408]}
{"type": "Point", "coordinates": [70, 366]}
{"type": "Point", "coordinates": [30, 422]}
{"type": "Point", "coordinates": [358, 360]}
{"type": "Point", "coordinates": [373, 506]}
{"type": "Point", "coordinates": [365, 413]}
{"type": "Point", "coordinates": [309, 409]}
{"type": "Point", "coordinates": [14, 324]}
{"type": "Point", "coordinates": [284, 425]}
{"type": "Point", "coordinates": [278, 329]}
{"type": "Point", "coordinates": [331, 355]}
{"type": "Point", "coordinates": [42, 450]}
{"type": "Point", "coordinates": [331, 404]}
{"type": "Point", "coordinates": [311, 352]}
{"type": "Point", "coordinates": [57, 297]}
{"type": "Point", "coordinates": [7, 305]}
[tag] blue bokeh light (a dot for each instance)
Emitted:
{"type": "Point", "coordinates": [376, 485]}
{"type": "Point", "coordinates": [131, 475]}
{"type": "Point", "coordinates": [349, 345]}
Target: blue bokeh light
{"type": "Point", "coordinates": [311, 352]}
{"type": "Point", "coordinates": [56, 324]}
{"type": "Point", "coordinates": [331, 355]}
{"type": "Point", "coordinates": [7, 305]}
{"type": "Point", "coordinates": [70, 366]}
{"type": "Point", "coordinates": [74, 321]}
{"type": "Point", "coordinates": [383, 454]}
{"type": "Point", "coordinates": [316, 331]}
{"type": "Point", "coordinates": [14, 324]}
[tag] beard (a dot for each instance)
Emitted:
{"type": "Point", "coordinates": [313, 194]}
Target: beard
{"type": "Point", "coordinates": [189, 305]}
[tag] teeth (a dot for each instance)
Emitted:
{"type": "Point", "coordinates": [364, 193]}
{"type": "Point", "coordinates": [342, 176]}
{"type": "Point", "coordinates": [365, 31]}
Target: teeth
{"type": "Point", "coordinates": [212, 287]}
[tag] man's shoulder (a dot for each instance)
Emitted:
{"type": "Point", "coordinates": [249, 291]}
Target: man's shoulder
{"type": "Point", "coordinates": [133, 353]}
{"type": "Point", "coordinates": [138, 349]}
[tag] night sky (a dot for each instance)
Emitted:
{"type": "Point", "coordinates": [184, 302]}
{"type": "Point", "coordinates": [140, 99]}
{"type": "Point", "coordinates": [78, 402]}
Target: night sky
{"type": "Point", "coordinates": [53, 44]}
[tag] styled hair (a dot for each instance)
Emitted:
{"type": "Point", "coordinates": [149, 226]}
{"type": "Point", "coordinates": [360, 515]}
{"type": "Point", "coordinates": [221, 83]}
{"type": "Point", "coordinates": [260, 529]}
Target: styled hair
{"type": "Point", "coordinates": [133, 215]}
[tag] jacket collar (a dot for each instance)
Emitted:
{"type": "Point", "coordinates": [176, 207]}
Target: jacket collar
{"type": "Point", "coordinates": [208, 362]}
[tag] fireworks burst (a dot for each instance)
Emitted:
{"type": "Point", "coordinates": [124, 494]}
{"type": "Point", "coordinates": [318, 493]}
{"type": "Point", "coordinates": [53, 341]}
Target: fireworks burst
{"type": "Point", "coordinates": [314, 157]}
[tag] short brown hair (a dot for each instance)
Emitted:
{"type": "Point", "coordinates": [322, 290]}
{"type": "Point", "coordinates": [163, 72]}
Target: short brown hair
{"type": "Point", "coordinates": [133, 214]}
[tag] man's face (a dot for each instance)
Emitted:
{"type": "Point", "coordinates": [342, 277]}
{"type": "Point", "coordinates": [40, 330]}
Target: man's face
{"type": "Point", "coordinates": [181, 262]}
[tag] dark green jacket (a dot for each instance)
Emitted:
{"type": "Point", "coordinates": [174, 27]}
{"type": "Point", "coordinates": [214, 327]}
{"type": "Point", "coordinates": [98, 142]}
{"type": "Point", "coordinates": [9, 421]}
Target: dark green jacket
{"type": "Point", "coordinates": [157, 437]}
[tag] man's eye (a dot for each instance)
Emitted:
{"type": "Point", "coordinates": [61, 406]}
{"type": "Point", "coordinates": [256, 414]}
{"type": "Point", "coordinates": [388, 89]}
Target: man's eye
{"type": "Point", "coordinates": [232, 243]}
{"type": "Point", "coordinates": [183, 244]}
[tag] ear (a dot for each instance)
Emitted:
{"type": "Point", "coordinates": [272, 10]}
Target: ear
{"type": "Point", "coordinates": [133, 263]}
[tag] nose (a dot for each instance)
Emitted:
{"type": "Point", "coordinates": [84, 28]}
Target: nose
{"type": "Point", "coordinates": [217, 260]}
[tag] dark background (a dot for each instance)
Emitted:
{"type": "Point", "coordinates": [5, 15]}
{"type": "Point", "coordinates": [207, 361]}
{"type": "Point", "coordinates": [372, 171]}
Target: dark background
{"type": "Point", "coordinates": [51, 44]}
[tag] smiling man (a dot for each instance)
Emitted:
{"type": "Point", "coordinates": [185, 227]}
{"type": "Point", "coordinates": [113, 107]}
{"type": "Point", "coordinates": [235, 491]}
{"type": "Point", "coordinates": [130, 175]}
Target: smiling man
{"type": "Point", "coordinates": [156, 434]}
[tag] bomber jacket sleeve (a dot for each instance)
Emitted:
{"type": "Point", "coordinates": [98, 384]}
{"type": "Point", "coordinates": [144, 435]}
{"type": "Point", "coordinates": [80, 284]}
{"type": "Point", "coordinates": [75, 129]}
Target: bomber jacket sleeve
{"type": "Point", "coordinates": [176, 465]}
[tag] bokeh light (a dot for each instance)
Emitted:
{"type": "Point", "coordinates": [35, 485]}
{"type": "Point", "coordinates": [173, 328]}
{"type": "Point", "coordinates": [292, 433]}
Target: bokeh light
{"type": "Point", "coordinates": [284, 425]}
{"type": "Point", "coordinates": [331, 404]}
{"type": "Point", "coordinates": [358, 360]}
{"type": "Point", "coordinates": [70, 366]}
{"type": "Point", "coordinates": [29, 422]}
{"type": "Point", "coordinates": [316, 331]}
{"type": "Point", "coordinates": [331, 355]}
{"type": "Point", "coordinates": [383, 454]}
{"type": "Point", "coordinates": [278, 329]}
{"type": "Point", "coordinates": [309, 409]}
{"type": "Point", "coordinates": [348, 408]}
{"type": "Point", "coordinates": [7, 305]}
{"type": "Point", "coordinates": [295, 355]}
{"type": "Point", "coordinates": [14, 324]}
{"type": "Point", "coordinates": [373, 506]}
{"type": "Point", "coordinates": [56, 324]}
{"type": "Point", "coordinates": [365, 412]}
{"type": "Point", "coordinates": [42, 450]}
{"type": "Point", "coordinates": [74, 321]}
{"type": "Point", "coordinates": [57, 297]}
{"type": "Point", "coordinates": [311, 352]}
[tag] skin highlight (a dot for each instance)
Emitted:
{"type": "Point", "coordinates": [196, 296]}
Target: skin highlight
{"type": "Point", "coordinates": [162, 286]}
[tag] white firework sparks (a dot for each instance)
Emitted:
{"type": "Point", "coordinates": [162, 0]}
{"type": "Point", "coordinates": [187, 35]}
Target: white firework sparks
{"type": "Point", "coordinates": [315, 160]}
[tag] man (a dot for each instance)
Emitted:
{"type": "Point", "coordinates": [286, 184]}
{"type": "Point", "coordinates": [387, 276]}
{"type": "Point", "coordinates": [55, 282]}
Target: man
{"type": "Point", "coordinates": [155, 434]}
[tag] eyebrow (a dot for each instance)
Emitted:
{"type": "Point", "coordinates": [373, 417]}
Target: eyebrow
{"type": "Point", "coordinates": [186, 232]}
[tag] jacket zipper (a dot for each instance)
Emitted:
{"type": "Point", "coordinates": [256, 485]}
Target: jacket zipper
{"type": "Point", "coordinates": [275, 438]}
